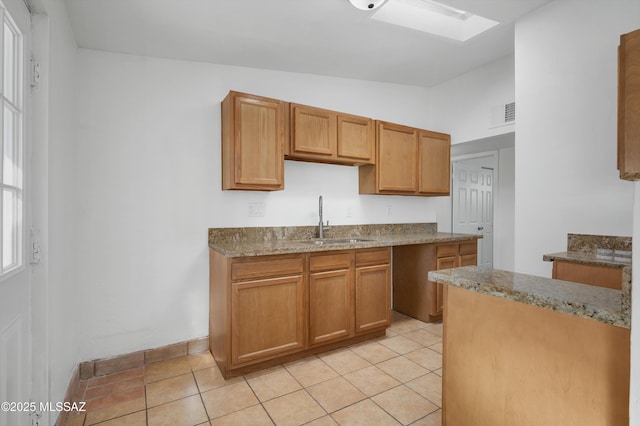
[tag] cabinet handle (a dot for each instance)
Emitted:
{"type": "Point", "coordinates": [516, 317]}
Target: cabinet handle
{"type": "Point", "coordinates": [480, 228]}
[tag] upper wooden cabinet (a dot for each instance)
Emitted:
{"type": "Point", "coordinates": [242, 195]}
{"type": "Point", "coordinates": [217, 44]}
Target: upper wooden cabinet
{"type": "Point", "coordinates": [322, 135]}
{"type": "Point", "coordinates": [629, 106]}
{"type": "Point", "coordinates": [254, 132]}
{"type": "Point", "coordinates": [409, 161]}
{"type": "Point", "coordinates": [435, 159]}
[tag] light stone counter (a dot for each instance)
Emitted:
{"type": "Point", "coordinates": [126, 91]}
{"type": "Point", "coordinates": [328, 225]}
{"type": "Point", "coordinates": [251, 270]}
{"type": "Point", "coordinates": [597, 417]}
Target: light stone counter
{"type": "Point", "coordinates": [598, 303]}
{"type": "Point", "coordinates": [600, 250]}
{"type": "Point", "coordinates": [238, 242]}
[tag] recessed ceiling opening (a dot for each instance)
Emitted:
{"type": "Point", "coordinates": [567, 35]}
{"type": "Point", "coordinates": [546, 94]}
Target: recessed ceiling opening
{"type": "Point", "coordinates": [435, 18]}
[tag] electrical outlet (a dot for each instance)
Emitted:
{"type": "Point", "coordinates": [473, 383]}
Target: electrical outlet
{"type": "Point", "coordinates": [256, 209]}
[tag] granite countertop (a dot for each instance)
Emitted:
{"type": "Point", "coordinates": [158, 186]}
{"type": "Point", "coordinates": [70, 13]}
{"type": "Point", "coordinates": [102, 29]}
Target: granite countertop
{"type": "Point", "coordinates": [237, 242]}
{"type": "Point", "coordinates": [603, 257]}
{"type": "Point", "coordinates": [597, 303]}
{"type": "Point", "coordinates": [604, 250]}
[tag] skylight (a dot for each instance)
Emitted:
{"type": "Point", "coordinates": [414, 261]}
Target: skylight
{"type": "Point", "coordinates": [432, 17]}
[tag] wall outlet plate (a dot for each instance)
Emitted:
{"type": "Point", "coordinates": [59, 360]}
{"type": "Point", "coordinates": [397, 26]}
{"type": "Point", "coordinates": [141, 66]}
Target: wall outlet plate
{"type": "Point", "coordinates": [256, 209]}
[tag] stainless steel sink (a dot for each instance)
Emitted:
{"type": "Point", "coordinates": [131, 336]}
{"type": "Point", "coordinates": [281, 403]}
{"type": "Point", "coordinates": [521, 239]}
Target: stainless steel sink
{"type": "Point", "coordinates": [337, 241]}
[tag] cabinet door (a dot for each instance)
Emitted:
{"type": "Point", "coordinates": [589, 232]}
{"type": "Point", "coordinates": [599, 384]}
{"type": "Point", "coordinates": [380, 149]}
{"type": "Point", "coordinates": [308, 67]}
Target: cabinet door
{"type": "Point", "coordinates": [437, 299]}
{"type": "Point", "coordinates": [356, 139]}
{"type": "Point", "coordinates": [268, 318]}
{"type": "Point", "coordinates": [434, 168]}
{"type": "Point", "coordinates": [254, 130]}
{"type": "Point", "coordinates": [397, 158]}
{"type": "Point", "coordinates": [330, 306]}
{"type": "Point", "coordinates": [313, 133]}
{"type": "Point", "coordinates": [629, 106]}
{"type": "Point", "coordinates": [598, 275]}
{"type": "Point", "coordinates": [373, 294]}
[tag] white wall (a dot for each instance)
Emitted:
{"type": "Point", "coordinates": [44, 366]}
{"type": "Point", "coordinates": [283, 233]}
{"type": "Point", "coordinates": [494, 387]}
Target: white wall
{"type": "Point", "coordinates": [149, 179]}
{"type": "Point", "coordinates": [464, 104]}
{"type": "Point", "coordinates": [504, 240]}
{"type": "Point", "coordinates": [566, 97]}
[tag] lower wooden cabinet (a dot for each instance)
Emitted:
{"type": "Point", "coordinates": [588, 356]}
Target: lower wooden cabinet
{"type": "Point", "coordinates": [413, 293]}
{"type": "Point", "coordinates": [330, 297]}
{"type": "Point", "coordinates": [599, 275]}
{"type": "Point", "coordinates": [268, 318]}
{"type": "Point", "coordinates": [265, 310]}
{"type": "Point", "coordinates": [373, 290]}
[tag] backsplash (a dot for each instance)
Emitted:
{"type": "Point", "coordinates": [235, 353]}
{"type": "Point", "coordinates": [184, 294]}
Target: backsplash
{"type": "Point", "coordinates": [254, 235]}
{"type": "Point", "coordinates": [593, 243]}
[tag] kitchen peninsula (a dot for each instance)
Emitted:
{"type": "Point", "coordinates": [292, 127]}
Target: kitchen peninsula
{"type": "Point", "coordinates": [601, 260]}
{"type": "Point", "coordinates": [277, 294]}
{"type": "Point", "coordinates": [525, 350]}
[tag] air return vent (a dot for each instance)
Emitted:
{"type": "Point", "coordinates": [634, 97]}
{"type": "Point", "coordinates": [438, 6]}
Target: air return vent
{"type": "Point", "coordinates": [503, 114]}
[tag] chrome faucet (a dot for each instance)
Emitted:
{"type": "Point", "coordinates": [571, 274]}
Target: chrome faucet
{"type": "Point", "coordinates": [321, 226]}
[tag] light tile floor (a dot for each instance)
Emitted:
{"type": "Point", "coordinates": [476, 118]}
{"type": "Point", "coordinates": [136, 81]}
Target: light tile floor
{"type": "Point", "coordinates": [389, 381]}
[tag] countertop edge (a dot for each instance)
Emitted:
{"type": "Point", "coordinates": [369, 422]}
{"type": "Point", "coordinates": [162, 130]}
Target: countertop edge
{"type": "Point", "coordinates": [300, 246]}
{"type": "Point", "coordinates": [600, 314]}
{"type": "Point", "coordinates": [585, 259]}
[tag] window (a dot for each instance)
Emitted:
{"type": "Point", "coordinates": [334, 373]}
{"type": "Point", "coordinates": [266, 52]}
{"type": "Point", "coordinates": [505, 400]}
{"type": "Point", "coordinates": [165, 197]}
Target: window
{"type": "Point", "coordinates": [11, 129]}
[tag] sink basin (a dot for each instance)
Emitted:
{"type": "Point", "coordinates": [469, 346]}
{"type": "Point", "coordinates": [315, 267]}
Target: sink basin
{"type": "Point", "coordinates": [337, 241]}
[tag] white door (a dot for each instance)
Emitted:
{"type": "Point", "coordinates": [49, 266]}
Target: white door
{"type": "Point", "coordinates": [472, 208]}
{"type": "Point", "coordinates": [15, 286]}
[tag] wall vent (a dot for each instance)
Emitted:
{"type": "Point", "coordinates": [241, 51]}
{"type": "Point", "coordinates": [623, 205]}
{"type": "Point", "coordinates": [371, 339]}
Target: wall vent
{"type": "Point", "coordinates": [503, 114]}
{"type": "Point", "coordinates": [510, 112]}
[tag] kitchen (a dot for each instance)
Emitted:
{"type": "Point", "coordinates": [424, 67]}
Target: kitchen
{"type": "Point", "coordinates": [131, 178]}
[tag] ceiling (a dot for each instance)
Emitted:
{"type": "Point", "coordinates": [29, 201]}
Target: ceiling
{"type": "Point", "coordinates": [326, 37]}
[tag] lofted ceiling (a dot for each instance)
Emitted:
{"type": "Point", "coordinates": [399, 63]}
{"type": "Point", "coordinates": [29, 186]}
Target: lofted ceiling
{"type": "Point", "coordinates": [326, 37]}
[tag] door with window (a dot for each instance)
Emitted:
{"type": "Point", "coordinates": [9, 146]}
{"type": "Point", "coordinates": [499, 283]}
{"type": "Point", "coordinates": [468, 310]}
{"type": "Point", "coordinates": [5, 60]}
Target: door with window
{"type": "Point", "coordinates": [15, 292]}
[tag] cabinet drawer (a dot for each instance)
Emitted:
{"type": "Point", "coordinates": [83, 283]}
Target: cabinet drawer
{"type": "Point", "coordinates": [469, 260]}
{"type": "Point", "coordinates": [447, 262]}
{"type": "Point", "coordinates": [470, 247]}
{"type": "Point", "coordinates": [326, 262]}
{"type": "Point", "coordinates": [447, 250]}
{"type": "Point", "coordinates": [266, 267]}
{"type": "Point", "coordinates": [373, 257]}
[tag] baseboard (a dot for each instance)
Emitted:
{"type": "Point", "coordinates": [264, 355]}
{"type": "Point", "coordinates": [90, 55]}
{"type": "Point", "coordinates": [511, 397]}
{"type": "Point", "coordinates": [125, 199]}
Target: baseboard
{"type": "Point", "coordinates": [100, 367]}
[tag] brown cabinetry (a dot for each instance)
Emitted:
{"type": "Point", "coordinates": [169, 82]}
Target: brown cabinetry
{"type": "Point", "coordinates": [254, 131]}
{"type": "Point", "coordinates": [413, 293]}
{"type": "Point", "coordinates": [328, 136]}
{"type": "Point", "coordinates": [629, 106]}
{"type": "Point", "coordinates": [409, 161]}
{"type": "Point", "coordinates": [266, 310]}
{"type": "Point", "coordinates": [434, 163]}
{"type": "Point", "coordinates": [257, 308]}
{"type": "Point", "coordinates": [350, 293]}
{"type": "Point", "coordinates": [372, 290]}
{"type": "Point", "coordinates": [598, 275]}
{"type": "Point", "coordinates": [330, 297]}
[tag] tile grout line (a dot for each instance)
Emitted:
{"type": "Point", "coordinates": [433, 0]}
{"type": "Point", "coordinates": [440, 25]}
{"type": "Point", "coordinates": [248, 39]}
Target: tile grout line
{"type": "Point", "coordinates": [325, 363]}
